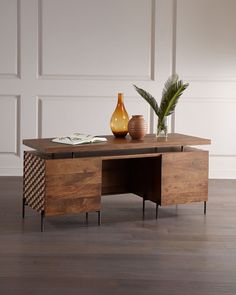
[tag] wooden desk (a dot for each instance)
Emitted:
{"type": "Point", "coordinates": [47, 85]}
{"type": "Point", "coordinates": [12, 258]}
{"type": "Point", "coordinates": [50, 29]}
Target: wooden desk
{"type": "Point", "coordinates": [61, 179]}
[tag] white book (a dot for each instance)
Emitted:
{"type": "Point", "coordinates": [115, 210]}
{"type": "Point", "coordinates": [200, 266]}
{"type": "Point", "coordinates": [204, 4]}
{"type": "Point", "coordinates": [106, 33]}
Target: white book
{"type": "Point", "coordinates": [79, 138]}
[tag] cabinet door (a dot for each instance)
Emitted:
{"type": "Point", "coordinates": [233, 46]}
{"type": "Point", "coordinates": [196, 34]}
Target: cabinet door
{"type": "Point", "coordinates": [73, 185]}
{"type": "Point", "coordinates": [184, 177]}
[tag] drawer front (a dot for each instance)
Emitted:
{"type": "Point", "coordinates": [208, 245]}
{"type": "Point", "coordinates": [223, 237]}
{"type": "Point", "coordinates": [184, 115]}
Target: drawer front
{"type": "Point", "coordinates": [184, 177]}
{"type": "Point", "coordinates": [73, 185]}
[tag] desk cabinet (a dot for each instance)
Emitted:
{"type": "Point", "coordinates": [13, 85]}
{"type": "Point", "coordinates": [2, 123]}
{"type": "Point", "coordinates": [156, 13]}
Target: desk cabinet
{"type": "Point", "coordinates": [184, 177]}
{"type": "Point", "coordinates": [168, 177]}
{"type": "Point", "coordinates": [60, 186]}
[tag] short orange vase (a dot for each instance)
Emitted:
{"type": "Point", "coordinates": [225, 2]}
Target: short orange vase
{"type": "Point", "coordinates": [120, 118]}
{"type": "Point", "coordinates": [137, 127]}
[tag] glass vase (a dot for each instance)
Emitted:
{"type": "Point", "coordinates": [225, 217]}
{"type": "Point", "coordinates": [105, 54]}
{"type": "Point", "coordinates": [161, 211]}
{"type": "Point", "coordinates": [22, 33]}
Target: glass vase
{"type": "Point", "coordinates": [162, 128]}
{"type": "Point", "coordinates": [120, 118]}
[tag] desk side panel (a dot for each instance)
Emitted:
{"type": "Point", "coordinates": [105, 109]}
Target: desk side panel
{"type": "Point", "coordinates": [73, 185]}
{"type": "Point", "coordinates": [34, 181]}
{"type": "Point", "coordinates": [184, 177]}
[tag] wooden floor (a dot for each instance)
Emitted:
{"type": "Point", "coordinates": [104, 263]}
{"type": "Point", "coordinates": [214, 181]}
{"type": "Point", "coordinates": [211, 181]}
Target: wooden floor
{"type": "Point", "coordinates": [182, 253]}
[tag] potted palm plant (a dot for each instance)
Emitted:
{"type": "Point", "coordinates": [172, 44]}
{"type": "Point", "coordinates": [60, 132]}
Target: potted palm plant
{"type": "Point", "coordinates": [172, 91]}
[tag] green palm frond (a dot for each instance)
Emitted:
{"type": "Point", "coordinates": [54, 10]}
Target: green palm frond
{"type": "Point", "coordinates": [172, 91]}
{"type": "Point", "coordinates": [149, 98]}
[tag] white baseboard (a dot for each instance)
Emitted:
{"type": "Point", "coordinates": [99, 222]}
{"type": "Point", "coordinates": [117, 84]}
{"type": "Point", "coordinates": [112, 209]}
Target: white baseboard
{"type": "Point", "coordinates": [11, 171]}
{"type": "Point", "coordinates": [222, 174]}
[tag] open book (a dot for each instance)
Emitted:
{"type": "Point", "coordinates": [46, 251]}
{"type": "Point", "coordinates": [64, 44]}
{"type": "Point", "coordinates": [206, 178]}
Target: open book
{"type": "Point", "coordinates": [79, 138]}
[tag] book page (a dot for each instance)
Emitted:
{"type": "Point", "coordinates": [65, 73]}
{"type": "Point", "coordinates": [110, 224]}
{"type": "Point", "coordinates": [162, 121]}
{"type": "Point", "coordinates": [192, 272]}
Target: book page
{"type": "Point", "coordinates": [79, 138]}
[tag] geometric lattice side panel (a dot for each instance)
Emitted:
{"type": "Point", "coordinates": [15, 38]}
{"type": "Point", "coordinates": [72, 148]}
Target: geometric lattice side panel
{"type": "Point", "coordinates": [34, 181]}
{"type": "Point", "coordinates": [126, 53]}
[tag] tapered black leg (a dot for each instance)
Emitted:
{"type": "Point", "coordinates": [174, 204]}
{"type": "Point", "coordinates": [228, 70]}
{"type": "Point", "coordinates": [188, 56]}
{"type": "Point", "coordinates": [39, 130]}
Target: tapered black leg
{"type": "Point", "coordinates": [42, 221]}
{"type": "Point", "coordinates": [205, 207]}
{"type": "Point", "coordinates": [86, 217]}
{"type": "Point", "coordinates": [99, 218]}
{"type": "Point", "coordinates": [143, 208]}
{"type": "Point", "coordinates": [23, 208]}
{"type": "Point", "coordinates": [156, 211]}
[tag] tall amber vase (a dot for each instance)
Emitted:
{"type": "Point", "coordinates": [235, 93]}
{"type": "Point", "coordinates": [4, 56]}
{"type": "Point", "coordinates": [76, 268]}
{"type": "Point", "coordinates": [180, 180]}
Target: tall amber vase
{"type": "Point", "coordinates": [120, 118]}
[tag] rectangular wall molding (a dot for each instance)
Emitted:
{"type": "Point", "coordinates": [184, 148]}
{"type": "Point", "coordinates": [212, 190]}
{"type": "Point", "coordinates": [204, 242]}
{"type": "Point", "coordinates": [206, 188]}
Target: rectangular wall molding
{"type": "Point", "coordinates": [149, 76]}
{"type": "Point", "coordinates": [99, 110]}
{"type": "Point", "coordinates": [16, 73]}
{"type": "Point", "coordinates": [210, 108]}
{"type": "Point", "coordinates": [10, 125]}
{"type": "Point", "coordinates": [205, 48]}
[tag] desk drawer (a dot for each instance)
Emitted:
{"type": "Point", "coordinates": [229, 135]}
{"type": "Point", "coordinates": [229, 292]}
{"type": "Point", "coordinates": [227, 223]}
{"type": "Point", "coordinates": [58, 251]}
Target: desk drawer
{"type": "Point", "coordinates": [184, 177]}
{"type": "Point", "coordinates": [73, 185]}
{"type": "Point", "coordinates": [60, 186]}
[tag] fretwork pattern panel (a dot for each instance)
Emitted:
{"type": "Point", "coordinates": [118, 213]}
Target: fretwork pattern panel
{"type": "Point", "coordinates": [34, 181]}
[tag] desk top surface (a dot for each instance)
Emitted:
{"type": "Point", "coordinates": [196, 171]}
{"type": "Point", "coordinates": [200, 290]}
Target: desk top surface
{"type": "Point", "coordinates": [45, 145]}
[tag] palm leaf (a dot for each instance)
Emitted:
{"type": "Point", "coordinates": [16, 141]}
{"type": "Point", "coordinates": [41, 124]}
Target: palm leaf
{"type": "Point", "coordinates": [172, 91]}
{"type": "Point", "coordinates": [149, 98]}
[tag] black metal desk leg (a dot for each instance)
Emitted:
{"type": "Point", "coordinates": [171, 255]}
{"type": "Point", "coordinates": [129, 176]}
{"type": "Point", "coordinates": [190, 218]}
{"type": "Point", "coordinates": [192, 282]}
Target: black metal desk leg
{"type": "Point", "coordinates": [23, 208]}
{"type": "Point", "coordinates": [143, 207]}
{"type": "Point", "coordinates": [205, 206]}
{"type": "Point", "coordinates": [42, 221]}
{"type": "Point", "coordinates": [99, 218]}
{"type": "Point", "coordinates": [157, 210]}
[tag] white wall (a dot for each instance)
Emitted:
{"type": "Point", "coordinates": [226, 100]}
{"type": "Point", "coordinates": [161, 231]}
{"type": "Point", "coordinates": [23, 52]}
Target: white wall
{"type": "Point", "coordinates": [62, 63]}
{"type": "Point", "coordinates": [205, 56]}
